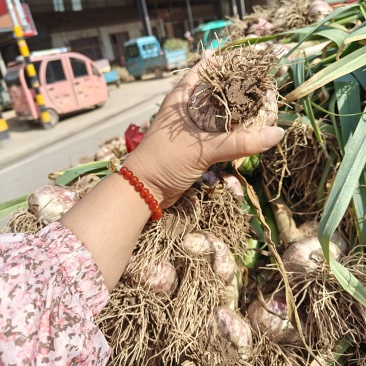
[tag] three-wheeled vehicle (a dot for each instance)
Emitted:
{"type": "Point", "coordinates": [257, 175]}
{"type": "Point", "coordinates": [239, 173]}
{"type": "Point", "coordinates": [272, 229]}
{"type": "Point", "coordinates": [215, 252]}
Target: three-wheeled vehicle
{"type": "Point", "coordinates": [110, 76]}
{"type": "Point", "coordinates": [207, 32]}
{"type": "Point", "coordinates": [144, 55]}
{"type": "Point", "coordinates": [69, 82]}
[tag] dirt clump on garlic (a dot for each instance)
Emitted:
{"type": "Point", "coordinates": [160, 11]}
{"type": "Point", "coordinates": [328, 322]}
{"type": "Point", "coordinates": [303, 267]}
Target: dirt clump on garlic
{"type": "Point", "coordinates": [235, 89]}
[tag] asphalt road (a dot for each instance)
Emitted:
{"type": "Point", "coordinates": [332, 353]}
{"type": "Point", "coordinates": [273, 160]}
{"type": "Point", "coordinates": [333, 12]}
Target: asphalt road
{"type": "Point", "coordinates": [33, 153]}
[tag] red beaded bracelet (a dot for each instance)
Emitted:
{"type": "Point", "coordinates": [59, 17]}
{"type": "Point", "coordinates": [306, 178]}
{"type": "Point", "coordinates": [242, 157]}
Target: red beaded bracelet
{"type": "Point", "coordinates": [154, 206]}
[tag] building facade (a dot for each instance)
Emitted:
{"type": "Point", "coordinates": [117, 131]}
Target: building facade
{"type": "Point", "coordinates": [99, 28]}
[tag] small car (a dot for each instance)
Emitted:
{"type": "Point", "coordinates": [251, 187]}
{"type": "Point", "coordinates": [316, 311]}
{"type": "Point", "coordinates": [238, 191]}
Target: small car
{"type": "Point", "coordinates": [145, 55]}
{"type": "Point", "coordinates": [69, 82]}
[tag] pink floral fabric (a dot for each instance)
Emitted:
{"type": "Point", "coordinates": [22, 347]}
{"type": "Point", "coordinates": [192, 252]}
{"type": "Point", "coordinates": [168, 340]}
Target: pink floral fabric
{"type": "Point", "coordinates": [50, 292]}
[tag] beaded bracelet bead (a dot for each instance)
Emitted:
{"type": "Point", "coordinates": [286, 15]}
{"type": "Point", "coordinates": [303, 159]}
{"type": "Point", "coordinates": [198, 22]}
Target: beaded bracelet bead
{"type": "Point", "coordinates": [154, 206]}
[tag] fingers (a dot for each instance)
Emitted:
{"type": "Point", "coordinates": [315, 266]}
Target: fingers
{"type": "Point", "coordinates": [183, 91]}
{"type": "Point", "coordinates": [218, 146]}
{"type": "Point", "coordinates": [238, 144]}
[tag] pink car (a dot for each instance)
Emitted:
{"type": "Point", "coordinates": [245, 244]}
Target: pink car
{"type": "Point", "coordinates": [69, 82]}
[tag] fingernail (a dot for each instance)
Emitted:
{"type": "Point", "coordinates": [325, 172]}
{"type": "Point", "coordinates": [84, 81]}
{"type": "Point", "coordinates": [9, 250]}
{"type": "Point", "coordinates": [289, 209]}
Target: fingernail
{"type": "Point", "coordinates": [271, 135]}
{"type": "Point", "coordinates": [280, 132]}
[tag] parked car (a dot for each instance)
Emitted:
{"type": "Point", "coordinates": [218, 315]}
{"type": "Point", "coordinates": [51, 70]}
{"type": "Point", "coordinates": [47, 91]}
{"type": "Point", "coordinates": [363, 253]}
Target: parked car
{"type": "Point", "coordinates": [145, 55]}
{"type": "Point", "coordinates": [69, 82]}
{"type": "Point", "coordinates": [206, 33]}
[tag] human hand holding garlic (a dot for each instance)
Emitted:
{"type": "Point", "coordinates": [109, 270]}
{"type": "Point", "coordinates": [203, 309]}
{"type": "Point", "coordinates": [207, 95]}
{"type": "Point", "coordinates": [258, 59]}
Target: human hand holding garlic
{"type": "Point", "coordinates": [175, 152]}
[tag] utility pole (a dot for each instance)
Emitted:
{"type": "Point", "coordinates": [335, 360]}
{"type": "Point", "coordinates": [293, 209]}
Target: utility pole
{"type": "Point", "coordinates": [190, 17]}
{"type": "Point", "coordinates": [145, 17]}
{"type": "Point", "coordinates": [235, 8]}
{"type": "Point", "coordinates": [242, 8]}
{"type": "Point", "coordinates": [24, 51]}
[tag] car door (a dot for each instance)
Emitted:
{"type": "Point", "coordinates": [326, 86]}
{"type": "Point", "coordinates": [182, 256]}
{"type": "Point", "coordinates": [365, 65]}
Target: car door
{"type": "Point", "coordinates": [100, 85]}
{"type": "Point", "coordinates": [83, 82]}
{"type": "Point", "coordinates": [60, 94]}
{"type": "Point", "coordinates": [134, 61]}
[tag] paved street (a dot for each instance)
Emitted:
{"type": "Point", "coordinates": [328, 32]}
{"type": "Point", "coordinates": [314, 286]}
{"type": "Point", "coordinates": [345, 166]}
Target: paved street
{"type": "Point", "coordinates": [33, 153]}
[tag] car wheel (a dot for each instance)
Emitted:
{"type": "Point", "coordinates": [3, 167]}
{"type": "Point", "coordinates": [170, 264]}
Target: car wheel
{"type": "Point", "coordinates": [54, 119]}
{"type": "Point", "coordinates": [158, 72]}
{"type": "Point", "coordinates": [100, 105]}
{"type": "Point", "coordinates": [32, 123]}
{"type": "Point", "coordinates": [138, 77]}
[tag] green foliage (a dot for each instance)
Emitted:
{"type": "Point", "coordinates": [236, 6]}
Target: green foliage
{"type": "Point", "coordinates": [326, 86]}
{"type": "Point", "coordinates": [341, 78]}
{"type": "Point", "coordinates": [73, 173]}
{"type": "Point", "coordinates": [9, 207]}
{"type": "Point", "coordinates": [249, 165]}
{"type": "Point", "coordinates": [173, 44]}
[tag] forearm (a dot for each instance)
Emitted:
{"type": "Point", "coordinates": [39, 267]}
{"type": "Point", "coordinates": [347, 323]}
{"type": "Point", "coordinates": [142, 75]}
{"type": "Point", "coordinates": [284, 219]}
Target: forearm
{"type": "Point", "coordinates": [172, 156]}
{"type": "Point", "coordinates": [109, 221]}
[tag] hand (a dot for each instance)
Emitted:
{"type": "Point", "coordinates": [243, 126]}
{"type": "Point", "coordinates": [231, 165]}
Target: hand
{"type": "Point", "coordinates": [172, 156]}
{"type": "Point", "coordinates": [175, 152]}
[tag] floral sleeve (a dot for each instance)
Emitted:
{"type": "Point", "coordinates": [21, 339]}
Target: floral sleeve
{"type": "Point", "coordinates": [50, 292]}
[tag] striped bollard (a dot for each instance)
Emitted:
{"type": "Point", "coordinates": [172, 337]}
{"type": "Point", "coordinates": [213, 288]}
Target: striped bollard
{"type": "Point", "coordinates": [4, 132]}
{"type": "Point", "coordinates": [31, 72]}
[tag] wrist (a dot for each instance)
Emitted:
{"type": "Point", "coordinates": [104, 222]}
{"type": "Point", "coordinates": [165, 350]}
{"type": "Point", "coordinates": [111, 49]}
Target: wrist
{"type": "Point", "coordinates": [146, 173]}
{"type": "Point", "coordinates": [145, 194]}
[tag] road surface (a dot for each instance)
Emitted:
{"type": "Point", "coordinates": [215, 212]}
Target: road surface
{"type": "Point", "coordinates": [41, 152]}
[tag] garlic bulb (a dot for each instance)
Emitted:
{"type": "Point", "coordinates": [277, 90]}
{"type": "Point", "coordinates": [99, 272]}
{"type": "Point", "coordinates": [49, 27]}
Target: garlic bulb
{"type": "Point", "coordinates": [49, 203]}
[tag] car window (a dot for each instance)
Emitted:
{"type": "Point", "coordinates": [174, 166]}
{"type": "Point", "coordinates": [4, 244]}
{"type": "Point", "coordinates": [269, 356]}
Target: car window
{"type": "Point", "coordinates": [132, 51]}
{"type": "Point", "coordinates": [212, 34]}
{"type": "Point", "coordinates": [79, 68]}
{"type": "Point", "coordinates": [197, 38]}
{"type": "Point", "coordinates": [149, 47]}
{"type": "Point", "coordinates": [54, 72]}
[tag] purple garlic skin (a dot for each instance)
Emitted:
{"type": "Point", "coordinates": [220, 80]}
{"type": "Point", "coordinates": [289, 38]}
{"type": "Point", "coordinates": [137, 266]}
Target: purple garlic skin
{"type": "Point", "coordinates": [196, 243]}
{"type": "Point", "coordinates": [201, 111]}
{"type": "Point", "coordinates": [310, 229]}
{"type": "Point", "coordinates": [214, 250]}
{"type": "Point", "coordinates": [307, 256]}
{"type": "Point", "coordinates": [277, 327]}
{"type": "Point", "coordinates": [231, 182]}
{"type": "Point", "coordinates": [222, 259]}
{"type": "Point", "coordinates": [233, 327]}
{"type": "Point", "coordinates": [261, 28]}
{"type": "Point", "coordinates": [318, 10]}
{"type": "Point", "coordinates": [160, 277]}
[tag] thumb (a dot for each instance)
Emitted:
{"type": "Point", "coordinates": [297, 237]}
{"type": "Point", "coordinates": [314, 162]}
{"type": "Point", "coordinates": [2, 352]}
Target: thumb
{"type": "Point", "coordinates": [251, 141]}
